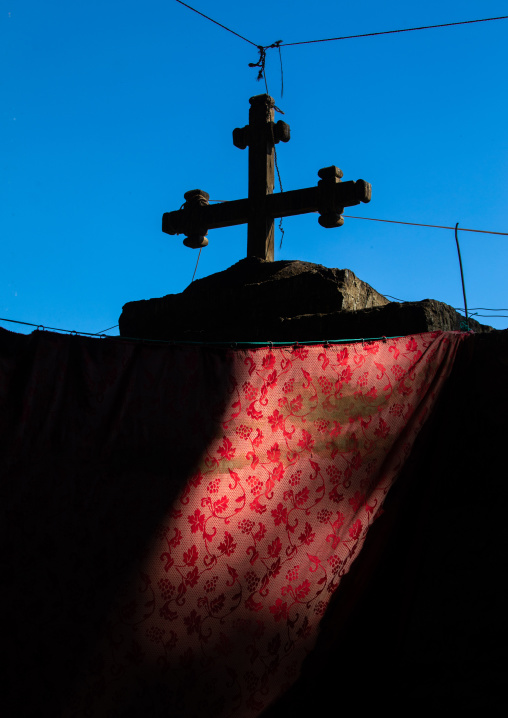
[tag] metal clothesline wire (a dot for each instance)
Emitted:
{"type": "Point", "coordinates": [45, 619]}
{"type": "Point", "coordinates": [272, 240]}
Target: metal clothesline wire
{"type": "Point", "coordinates": [411, 224]}
{"type": "Point", "coordinates": [280, 44]}
{"type": "Point", "coordinates": [419, 224]}
{"type": "Point", "coordinates": [232, 344]}
{"type": "Point", "coordinates": [101, 334]}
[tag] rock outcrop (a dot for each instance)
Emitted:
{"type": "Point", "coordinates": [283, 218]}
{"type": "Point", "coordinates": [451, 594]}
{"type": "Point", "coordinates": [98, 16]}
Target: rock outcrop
{"type": "Point", "coordinates": [255, 300]}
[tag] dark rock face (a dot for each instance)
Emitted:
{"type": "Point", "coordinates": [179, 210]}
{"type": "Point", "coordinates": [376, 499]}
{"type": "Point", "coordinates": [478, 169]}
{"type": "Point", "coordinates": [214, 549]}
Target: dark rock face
{"type": "Point", "coordinates": [255, 300]}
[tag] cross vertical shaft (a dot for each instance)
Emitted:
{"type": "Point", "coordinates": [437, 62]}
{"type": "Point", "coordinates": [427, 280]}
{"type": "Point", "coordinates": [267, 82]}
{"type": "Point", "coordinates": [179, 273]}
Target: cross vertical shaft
{"type": "Point", "coordinates": [262, 206]}
{"type": "Point", "coordinates": [260, 233]}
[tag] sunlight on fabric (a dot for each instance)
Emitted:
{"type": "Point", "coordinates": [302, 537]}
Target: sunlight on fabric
{"type": "Point", "coordinates": [228, 601]}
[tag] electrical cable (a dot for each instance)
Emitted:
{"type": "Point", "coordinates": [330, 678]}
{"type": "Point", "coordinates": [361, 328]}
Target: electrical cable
{"type": "Point", "coordinates": [231, 344]}
{"type": "Point", "coordinates": [280, 44]}
{"type": "Point", "coordinates": [218, 23]}
{"type": "Point", "coordinates": [419, 224]}
{"type": "Point", "coordinates": [390, 32]}
{"type": "Point", "coordinates": [106, 330]}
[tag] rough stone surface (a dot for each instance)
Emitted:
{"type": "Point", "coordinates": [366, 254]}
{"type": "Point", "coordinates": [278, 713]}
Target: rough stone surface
{"type": "Point", "coordinates": [290, 301]}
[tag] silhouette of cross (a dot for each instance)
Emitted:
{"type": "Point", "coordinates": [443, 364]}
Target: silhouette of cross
{"type": "Point", "coordinates": [261, 207]}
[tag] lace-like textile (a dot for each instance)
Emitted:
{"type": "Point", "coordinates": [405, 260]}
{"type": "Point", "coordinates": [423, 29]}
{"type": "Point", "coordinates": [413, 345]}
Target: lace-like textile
{"type": "Point", "coordinates": [229, 599]}
{"type": "Point", "coordinates": [226, 599]}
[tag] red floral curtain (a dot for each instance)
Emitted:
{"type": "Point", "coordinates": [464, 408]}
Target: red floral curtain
{"type": "Point", "coordinates": [225, 598]}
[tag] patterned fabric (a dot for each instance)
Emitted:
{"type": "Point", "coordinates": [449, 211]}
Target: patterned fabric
{"type": "Point", "coordinates": [225, 600]}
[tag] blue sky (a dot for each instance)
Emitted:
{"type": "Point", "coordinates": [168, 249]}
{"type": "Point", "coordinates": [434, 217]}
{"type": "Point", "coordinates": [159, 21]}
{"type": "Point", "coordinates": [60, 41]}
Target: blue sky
{"type": "Point", "coordinates": [112, 110]}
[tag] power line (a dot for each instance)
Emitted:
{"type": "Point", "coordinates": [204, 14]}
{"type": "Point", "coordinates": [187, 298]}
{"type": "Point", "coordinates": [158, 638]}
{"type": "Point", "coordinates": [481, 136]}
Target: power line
{"type": "Point", "coordinates": [55, 329]}
{"type": "Point", "coordinates": [105, 330]}
{"type": "Point", "coordinates": [43, 327]}
{"type": "Point", "coordinates": [344, 37]}
{"type": "Point", "coordinates": [390, 32]}
{"type": "Point", "coordinates": [218, 23]}
{"type": "Point", "coordinates": [233, 345]}
{"type": "Point", "coordinates": [459, 309]}
{"type": "Point", "coordinates": [418, 224]}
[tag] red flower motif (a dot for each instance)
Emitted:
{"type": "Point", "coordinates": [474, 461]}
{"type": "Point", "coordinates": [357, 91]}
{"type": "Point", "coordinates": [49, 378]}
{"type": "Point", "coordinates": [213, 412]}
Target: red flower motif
{"type": "Point", "coordinates": [357, 501]}
{"type": "Point", "coordinates": [278, 472]}
{"type": "Point", "coordinates": [356, 461]}
{"type": "Point", "coordinates": [192, 621]}
{"type": "Point", "coordinates": [338, 522]}
{"type": "Point", "coordinates": [280, 514]}
{"type": "Point", "coordinates": [228, 546]}
{"type": "Point", "coordinates": [196, 479]}
{"type": "Point", "coordinates": [383, 429]}
{"type": "Point", "coordinates": [302, 590]}
{"type": "Point", "coordinates": [336, 429]}
{"type": "Point", "coordinates": [268, 361]}
{"type": "Point", "coordinates": [275, 547]}
{"type": "Point", "coordinates": [191, 556]}
{"type": "Point", "coordinates": [197, 521]}
{"type": "Point", "coordinates": [288, 386]}
{"type": "Point", "coordinates": [279, 610]}
{"type": "Point", "coordinates": [302, 496]}
{"type": "Point", "coordinates": [343, 357]}
{"type": "Point", "coordinates": [271, 379]}
{"type": "Point", "coordinates": [221, 505]}
{"type": "Point", "coordinates": [296, 403]}
{"type": "Point", "coordinates": [308, 536]}
{"type": "Point", "coordinates": [300, 352]}
{"type": "Point", "coordinates": [345, 376]}
{"type": "Point", "coordinates": [306, 442]}
{"type": "Point", "coordinates": [192, 577]}
{"type": "Point", "coordinates": [276, 420]}
{"type": "Point", "coordinates": [226, 450]}
{"type": "Point", "coordinates": [273, 454]}
{"type": "Point", "coordinates": [217, 604]}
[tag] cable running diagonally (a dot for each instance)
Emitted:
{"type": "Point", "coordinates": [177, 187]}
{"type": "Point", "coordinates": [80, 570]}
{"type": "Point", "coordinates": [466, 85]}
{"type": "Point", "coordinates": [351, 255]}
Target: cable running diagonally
{"type": "Point", "coordinates": [391, 32]}
{"type": "Point", "coordinates": [418, 224]}
{"type": "Point", "coordinates": [218, 23]}
{"type": "Point", "coordinates": [280, 44]}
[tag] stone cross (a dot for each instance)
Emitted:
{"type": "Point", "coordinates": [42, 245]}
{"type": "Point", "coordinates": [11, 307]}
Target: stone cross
{"type": "Point", "coordinates": [261, 207]}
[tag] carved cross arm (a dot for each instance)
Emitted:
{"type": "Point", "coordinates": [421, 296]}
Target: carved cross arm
{"type": "Point", "coordinates": [329, 198]}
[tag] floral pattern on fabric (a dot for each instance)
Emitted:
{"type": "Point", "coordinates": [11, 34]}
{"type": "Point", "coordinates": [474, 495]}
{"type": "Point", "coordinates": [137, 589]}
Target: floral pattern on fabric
{"type": "Point", "coordinates": [229, 598]}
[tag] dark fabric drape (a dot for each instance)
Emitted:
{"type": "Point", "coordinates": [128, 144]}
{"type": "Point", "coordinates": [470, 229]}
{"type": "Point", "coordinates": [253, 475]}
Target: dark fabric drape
{"type": "Point", "coordinates": [178, 518]}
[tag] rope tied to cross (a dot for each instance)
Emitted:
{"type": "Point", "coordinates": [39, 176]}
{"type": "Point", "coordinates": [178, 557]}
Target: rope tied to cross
{"type": "Point", "coordinates": [262, 62]}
